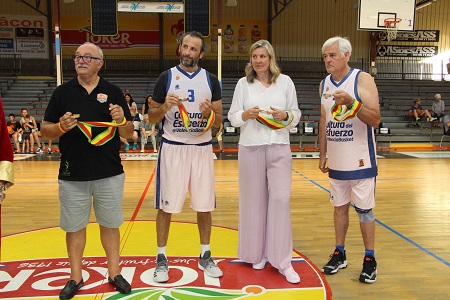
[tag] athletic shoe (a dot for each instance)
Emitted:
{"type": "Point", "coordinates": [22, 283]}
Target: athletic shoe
{"type": "Point", "coordinates": [142, 151]}
{"type": "Point", "coordinates": [39, 150]}
{"type": "Point", "coordinates": [369, 271]}
{"type": "Point", "coordinates": [161, 273]}
{"type": "Point", "coordinates": [134, 147]}
{"type": "Point", "coordinates": [338, 260]}
{"type": "Point", "coordinates": [207, 264]}
{"type": "Point", "coordinates": [49, 151]}
{"type": "Point", "coordinates": [127, 147]}
{"type": "Point", "coordinates": [290, 274]}
{"type": "Point", "coordinates": [433, 119]}
{"type": "Point", "coordinates": [260, 265]}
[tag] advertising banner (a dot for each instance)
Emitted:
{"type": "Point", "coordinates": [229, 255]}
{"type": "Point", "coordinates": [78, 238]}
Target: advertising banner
{"type": "Point", "coordinates": [415, 36]}
{"type": "Point", "coordinates": [24, 35]}
{"type": "Point", "coordinates": [28, 36]}
{"type": "Point", "coordinates": [407, 51]}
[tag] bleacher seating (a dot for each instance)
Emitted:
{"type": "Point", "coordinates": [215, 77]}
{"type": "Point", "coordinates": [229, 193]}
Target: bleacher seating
{"type": "Point", "coordinates": [395, 99]}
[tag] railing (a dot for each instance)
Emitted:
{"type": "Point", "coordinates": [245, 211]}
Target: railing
{"type": "Point", "coordinates": [232, 66]}
{"type": "Point", "coordinates": [10, 64]}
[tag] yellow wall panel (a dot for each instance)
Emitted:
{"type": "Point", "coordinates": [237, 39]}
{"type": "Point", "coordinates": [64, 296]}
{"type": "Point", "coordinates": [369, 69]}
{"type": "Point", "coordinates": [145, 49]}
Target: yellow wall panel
{"type": "Point", "coordinates": [298, 31]}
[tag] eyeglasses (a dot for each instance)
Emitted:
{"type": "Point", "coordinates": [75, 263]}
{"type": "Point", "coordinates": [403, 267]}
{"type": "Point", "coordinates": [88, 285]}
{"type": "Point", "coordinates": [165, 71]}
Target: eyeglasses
{"type": "Point", "coordinates": [86, 59]}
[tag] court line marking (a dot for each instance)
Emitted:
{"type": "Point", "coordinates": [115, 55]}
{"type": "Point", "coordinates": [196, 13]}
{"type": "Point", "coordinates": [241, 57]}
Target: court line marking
{"type": "Point", "coordinates": [386, 226]}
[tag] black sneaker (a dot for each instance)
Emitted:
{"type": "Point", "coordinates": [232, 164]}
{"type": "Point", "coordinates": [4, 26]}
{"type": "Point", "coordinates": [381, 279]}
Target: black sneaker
{"type": "Point", "coordinates": [337, 261]}
{"type": "Point", "coordinates": [369, 271]}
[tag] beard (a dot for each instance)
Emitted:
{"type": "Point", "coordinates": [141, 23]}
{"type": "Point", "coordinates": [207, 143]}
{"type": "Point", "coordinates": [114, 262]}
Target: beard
{"type": "Point", "coordinates": [192, 62]}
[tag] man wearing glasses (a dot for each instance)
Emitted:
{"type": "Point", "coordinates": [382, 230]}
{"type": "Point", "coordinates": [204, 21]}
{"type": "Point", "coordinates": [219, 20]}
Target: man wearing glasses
{"type": "Point", "coordinates": [90, 165]}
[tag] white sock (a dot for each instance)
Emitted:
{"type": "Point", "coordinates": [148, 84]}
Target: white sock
{"type": "Point", "coordinates": [162, 250]}
{"type": "Point", "coordinates": [204, 248]}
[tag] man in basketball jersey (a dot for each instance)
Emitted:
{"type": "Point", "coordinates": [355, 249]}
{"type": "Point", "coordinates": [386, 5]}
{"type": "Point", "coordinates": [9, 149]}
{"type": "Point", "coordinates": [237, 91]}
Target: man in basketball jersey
{"type": "Point", "coordinates": [349, 112]}
{"type": "Point", "coordinates": [188, 100]}
{"type": "Point", "coordinates": [6, 156]}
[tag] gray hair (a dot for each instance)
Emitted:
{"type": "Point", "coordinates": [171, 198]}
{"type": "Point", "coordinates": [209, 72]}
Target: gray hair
{"type": "Point", "coordinates": [437, 96]}
{"type": "Point", "coordinates": [344, 44]}
{"type": "Point", "coordinates": [100, 52]}
{"type": "Point", "coordinates": [274, 69]}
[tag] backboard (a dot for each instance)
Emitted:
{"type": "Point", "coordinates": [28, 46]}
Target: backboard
{"type": "Point", "coordinates": [372, 13]}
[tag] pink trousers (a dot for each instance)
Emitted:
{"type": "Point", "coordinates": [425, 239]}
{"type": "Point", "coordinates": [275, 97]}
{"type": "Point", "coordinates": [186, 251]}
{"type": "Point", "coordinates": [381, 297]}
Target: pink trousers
{"type": "Point", "coordinates": [265, 228]}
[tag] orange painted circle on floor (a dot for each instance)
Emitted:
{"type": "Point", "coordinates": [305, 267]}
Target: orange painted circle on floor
{"type": "Point", "coordinates": [35, 266]}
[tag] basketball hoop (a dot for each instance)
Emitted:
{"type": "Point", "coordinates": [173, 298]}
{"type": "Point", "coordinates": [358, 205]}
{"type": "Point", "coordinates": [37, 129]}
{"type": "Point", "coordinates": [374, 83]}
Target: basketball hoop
{"type": "Point", "coordinates": [391, 27]}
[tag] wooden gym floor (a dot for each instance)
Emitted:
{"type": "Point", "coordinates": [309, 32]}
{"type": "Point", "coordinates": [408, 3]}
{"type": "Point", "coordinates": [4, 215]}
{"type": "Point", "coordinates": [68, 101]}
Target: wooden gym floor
{"type": "Point", "coordinates": [412, 212]}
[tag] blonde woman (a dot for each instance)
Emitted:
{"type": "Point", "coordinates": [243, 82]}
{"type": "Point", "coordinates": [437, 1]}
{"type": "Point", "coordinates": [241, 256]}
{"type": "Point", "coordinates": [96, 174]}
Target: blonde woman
{"type": "Point", "coordinates": [265, 96]}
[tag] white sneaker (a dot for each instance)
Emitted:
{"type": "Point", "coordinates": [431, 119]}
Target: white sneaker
{"type": "Point", "coordinates": [142, 150]}
{"type": "Point", "coordinates": [260, 265]}
{"type": "Point", "coordinates": [290, 274]}
{"type": "Point", "coordinates": [433, 119]}
{"type": "Point", "coordinates": [161, 273]}
{"type": "Point", "coordinates": [207, 264]}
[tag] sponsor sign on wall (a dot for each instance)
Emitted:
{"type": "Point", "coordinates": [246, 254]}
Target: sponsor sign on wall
{"type": "Point", "coordinates": [157, 7]}
{"type": "Point", "coordinates": [415, 36]}
{"type": "Point", "coordinates": [24, 35]}
{"type": "Point", "coordinates": [407, 51]}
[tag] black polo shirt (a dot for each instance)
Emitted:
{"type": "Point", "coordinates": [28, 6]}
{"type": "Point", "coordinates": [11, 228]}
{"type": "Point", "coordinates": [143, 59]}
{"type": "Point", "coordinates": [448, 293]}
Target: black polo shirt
{"type": "Point", "coordinates": [80, 160]}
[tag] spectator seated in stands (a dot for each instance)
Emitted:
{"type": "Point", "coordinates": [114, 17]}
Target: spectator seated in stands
{"type": "Point", "coordinates": [27, 136]}
{"type": "Point", "coordinates": [148, 130]}
{"type": "Point", "coordinates": [130, 101]}
{"type": "Point", "coordinates": [137, 119]}
{"type": "Point", "coordinates": [34, 131]}
{"type": "Point", "coordinates": [146, 105]}
{"type": "Point", "coordinates": [14, 130]}
{"type": "Point", "coordinates": [438, 107]}
{"type": "Point", "coordinates": [418, 112]}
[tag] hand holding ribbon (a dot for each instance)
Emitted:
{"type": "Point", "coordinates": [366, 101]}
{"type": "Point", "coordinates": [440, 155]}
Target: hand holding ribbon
{"type": "Point", "coordinates": [345, 106]}
{"type": "Point", "coordinates": [280, 118]}
{"type": "Point", "coordinates": [204, 108]}
{"type": "Point", "coordinates": [116, 113]}
{"type": "Point", "coordinates": [67, 122]}
{"type": "Point", "coordinates": [251, 113]}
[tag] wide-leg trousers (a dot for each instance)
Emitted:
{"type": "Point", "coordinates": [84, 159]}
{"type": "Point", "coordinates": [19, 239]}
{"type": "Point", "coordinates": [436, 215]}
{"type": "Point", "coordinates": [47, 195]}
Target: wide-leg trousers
{"type": "Point", "coordinates": [265, 228]}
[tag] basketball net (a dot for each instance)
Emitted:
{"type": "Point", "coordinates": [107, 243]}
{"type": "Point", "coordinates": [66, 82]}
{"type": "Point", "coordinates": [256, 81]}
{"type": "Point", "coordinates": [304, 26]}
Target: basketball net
{"type": "Point", "coordinates": [391, 27]}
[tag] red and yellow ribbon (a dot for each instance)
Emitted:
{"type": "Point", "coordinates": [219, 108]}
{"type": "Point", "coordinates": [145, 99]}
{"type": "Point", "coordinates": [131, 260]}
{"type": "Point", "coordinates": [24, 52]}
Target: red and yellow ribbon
{"type": "Point", "coordinates": [186, 121]}
{"type": "Point", "coordinates": [342, 113]}
{"type": "Point", "coordinates": [272, 124]}
{"type": "Point", "coordinates": [103, 137]}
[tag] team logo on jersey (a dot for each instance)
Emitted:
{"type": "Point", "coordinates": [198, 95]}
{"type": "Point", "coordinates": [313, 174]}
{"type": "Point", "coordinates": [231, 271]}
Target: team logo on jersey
{"type": "Point", "coordinates": [102, 98]}
{"type": "Point", "coordinates": [327, 89]}
{"type": "Point", "coordinates": [361, 162]}
{"type": "Point", "coordinates": [177, 87]}
{"type": "Point", "coordinates": [177, 77]}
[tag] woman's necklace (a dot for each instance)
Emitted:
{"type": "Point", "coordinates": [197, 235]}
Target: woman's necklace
{"type": "Point", "coordinates": [262, 87]}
